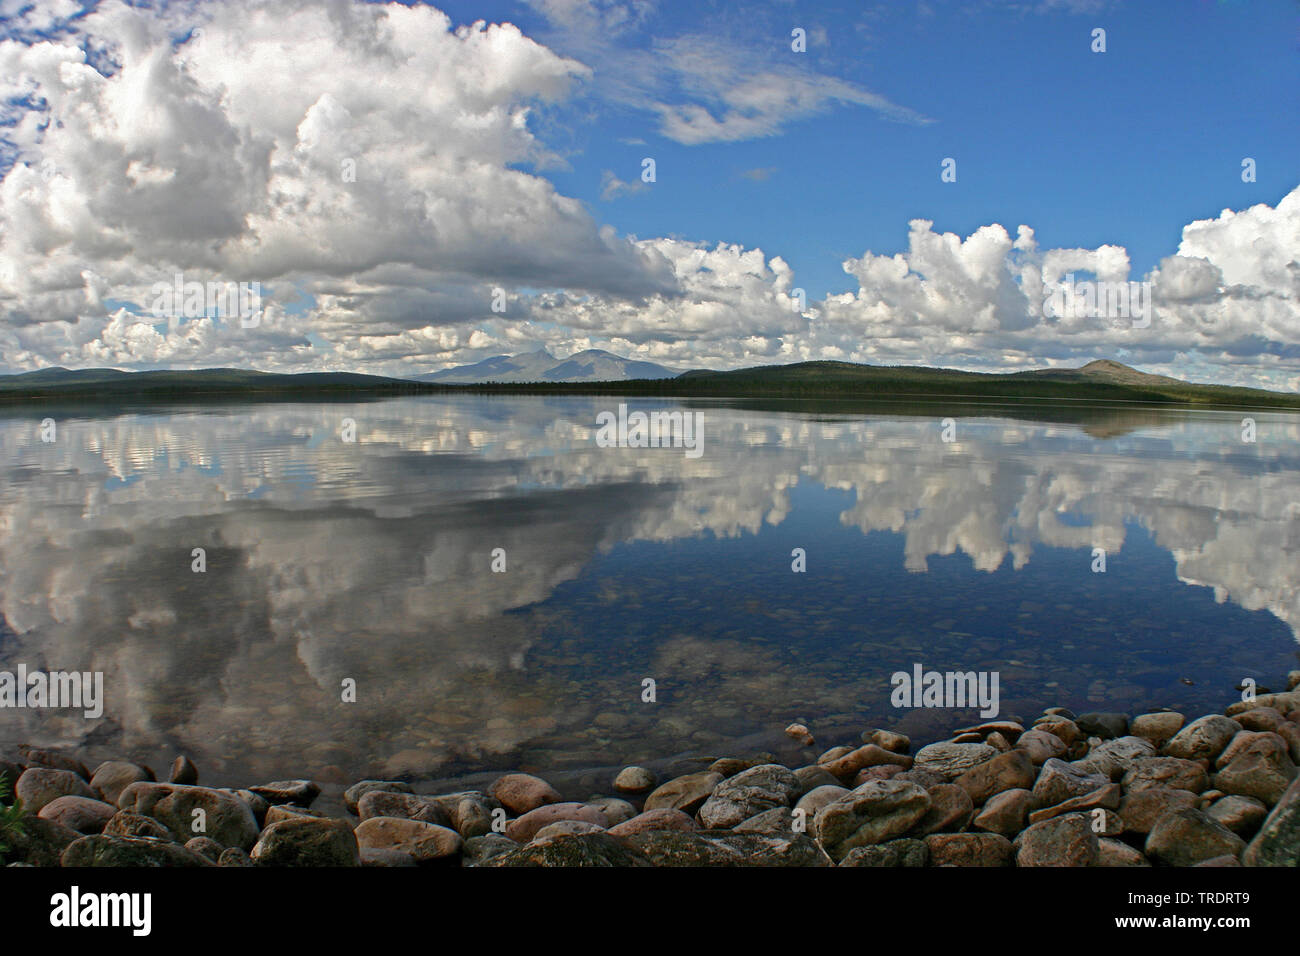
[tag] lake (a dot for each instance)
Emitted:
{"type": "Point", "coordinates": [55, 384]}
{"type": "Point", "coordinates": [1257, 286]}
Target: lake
{"type": "Point", "coordinates": [365, 567]}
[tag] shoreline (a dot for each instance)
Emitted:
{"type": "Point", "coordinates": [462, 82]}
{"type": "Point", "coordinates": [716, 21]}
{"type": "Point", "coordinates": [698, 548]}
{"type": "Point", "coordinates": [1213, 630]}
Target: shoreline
{"type": "Point", "coordinates": [1098, 789]}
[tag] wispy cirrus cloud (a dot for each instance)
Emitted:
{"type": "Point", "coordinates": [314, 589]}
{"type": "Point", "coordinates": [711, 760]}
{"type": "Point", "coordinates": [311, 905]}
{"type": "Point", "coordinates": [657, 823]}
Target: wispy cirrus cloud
{"type": "Point", "coordinates": [702, 87]}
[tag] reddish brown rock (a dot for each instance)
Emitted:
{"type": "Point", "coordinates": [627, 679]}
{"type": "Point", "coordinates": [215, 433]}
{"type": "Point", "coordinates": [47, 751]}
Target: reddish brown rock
{"type": "Point", "coordinates": [1066, 840]}
{"type": "Point", "coordinates": [950, 811]}
{"type": "Point", "coordinates": [969, 849]}
{"type": "Point", "coordinates": [868, 755]}
{"type": "Point", "coordinates": [662, 819]}
{"type": "Point", "coordinates": [525, 827]}
{"type": "Point", "coordinates": [686, 793]}
{"type": "Point", "coordinates": [1260, 767]}
{"type": "Point", "coordinates": [1158, 728]}
{"type": "Point", "coordinates": [1041, 745]}
{"type": "Point", "coordinates": [1171, 772]}
{"type": "Point", "coordinates": [1005, 813]}
{"type": "Point", "coordinates": [883, 772]}
{"type": "Point", "coordinates": [423, 842]}
{"type": "Point", "coordinates": [1106, 797]}
{"type": "Point", "coordinates": [1012, 770]}
{"type": "Point", "coordinates": [1190, 836]}
{"type": "Point", "coordinates": [1204, 738]}
{"type": "Point", "coordinates": [1141, 809]}
{"type": "Point", "coordinates": [522, 792]}
{"type": "Point", "coordinates": [1118, 853]}
{"type": "Point", "coordinates": [78, 813]}
{"type": "Point", "coordinates": [1064, 729]}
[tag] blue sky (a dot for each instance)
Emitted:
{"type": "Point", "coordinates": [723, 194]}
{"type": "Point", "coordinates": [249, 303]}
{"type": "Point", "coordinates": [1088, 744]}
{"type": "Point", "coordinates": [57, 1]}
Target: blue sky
{"type": "Point", "coordinates": [495, 152]}
{"type": "Point", "coordinates": [1119, 147]}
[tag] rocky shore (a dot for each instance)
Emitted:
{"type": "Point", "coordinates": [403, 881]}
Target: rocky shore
{"type": "Point", "coordinates": [1098, 789]}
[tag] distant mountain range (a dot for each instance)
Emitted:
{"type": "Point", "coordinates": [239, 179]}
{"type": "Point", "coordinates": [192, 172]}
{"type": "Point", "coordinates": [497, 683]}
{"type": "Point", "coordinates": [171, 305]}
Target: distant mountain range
{"type": "Point", "coordinates": [593, 365]}
{"type": "Point", "coordinates": [599, 373]}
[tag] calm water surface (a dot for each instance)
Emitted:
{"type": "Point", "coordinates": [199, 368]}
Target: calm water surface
{"type": "Point", "coordinates": [371, 561]}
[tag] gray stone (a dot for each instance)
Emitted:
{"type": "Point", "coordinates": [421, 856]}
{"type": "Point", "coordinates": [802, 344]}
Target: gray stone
{"type": "Point", "coordinates": [480, 849]}
{"type": "Point", "coordinates": [748, 794]}
{"type": "Point", "coordinates": [307, 841]}
{"type": "Point", "coordinates": [875, 812]}
{"type": "Point", "coordinates": [1140, 809]}
{"type": "Point", "coordinates": [676, 848]}
{"type": "Point", "coordinates": [776, 820]}
{"type": "Point", "coordinates": [905, 852]}
{"type": "Point", "coordinates": [407, 806]}
{"type": "Point", "coordinates": [100, 850]}
{"type": "Point", "coordinates": [952, 760]}
{"type": "Point", "coordinates": [1059, 781]}
{"type": "Point", "coordinates": [204, 847]}
{"type": "Point", "coordinates": [226, 818]}
{"type": "Point", "coordinates": [1278, 840]}
{"type": "Point", "coordinates": [1103, 725]}
{"type": "Point", "coordinates": [1112, 758]}
{"type": "Point", "coordinates": [572, 849]}
{"type": "Point", "coordinates": [127, 824]}
{"type": "Point", "coordinates": [1172, 772]}
{"type": "Point", "coordinates": [1203, 739]}
{"type": "Point", "coordinates": [39, 842]}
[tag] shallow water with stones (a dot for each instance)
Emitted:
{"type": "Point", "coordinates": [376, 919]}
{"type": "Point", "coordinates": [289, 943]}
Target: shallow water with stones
{"type": "Point", "coordinates": [371, 561]}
